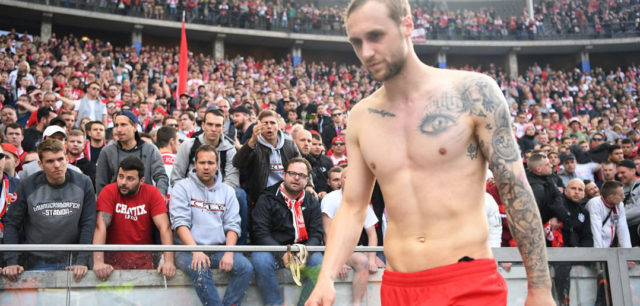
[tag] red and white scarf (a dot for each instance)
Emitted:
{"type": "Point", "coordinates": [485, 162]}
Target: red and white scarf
{"type": "Point", "coordinates": [295, 205]}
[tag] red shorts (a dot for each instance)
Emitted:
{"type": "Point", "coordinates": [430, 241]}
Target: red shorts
{"type": "Point", "coordinates": [474, 282]}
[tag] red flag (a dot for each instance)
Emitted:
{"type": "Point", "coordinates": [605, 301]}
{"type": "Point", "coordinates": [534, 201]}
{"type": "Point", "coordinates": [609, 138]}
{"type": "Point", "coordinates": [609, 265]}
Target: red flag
{"type": "Point", "coordinates": [183, 63]}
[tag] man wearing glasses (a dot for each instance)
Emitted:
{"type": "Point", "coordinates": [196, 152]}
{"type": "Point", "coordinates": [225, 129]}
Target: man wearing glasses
{"type": "Point", "coordinates": [285, 214]}
{"type": "Point", "coordinates": [334, 127]}
{"type": "Point", "coordinates": [338, 153]}
{"type": "Point", "coordinates": [90, 105]}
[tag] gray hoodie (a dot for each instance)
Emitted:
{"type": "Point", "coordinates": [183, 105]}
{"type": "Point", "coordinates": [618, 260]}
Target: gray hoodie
{"type": "Point", "coordinates": [208, 212]}
{"type": "Point", "coordinates": [277, 168]}
{"type": "Point", "coordinates": [632, 205]}
{"type": "Point", "coordinates": [231, 175]}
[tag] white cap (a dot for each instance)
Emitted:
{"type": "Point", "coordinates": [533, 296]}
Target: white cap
{"type": "Point", "coordinates": [52, 129]}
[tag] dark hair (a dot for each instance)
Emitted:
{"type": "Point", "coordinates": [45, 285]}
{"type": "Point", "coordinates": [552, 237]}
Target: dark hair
{"type": "Point", "coordinates": [14, 126]}
{"type": "Point", "coordinates": [164, 135]}
{"type": "Point", "coordinates": [298, 160]}
{"type": "Point", "coordinates": [534, 160]}
{"type": "Point", "coordinates": [207, 148]}
{"type": "Point", "coordinates": [336, 169]}
{"type": "Point", "coordinates": [627, 141]}
{"type": "Point", "coordinates": [10, 107]}
{"type": "Point", "coordinates": [43, 112]}
{"type": "Point", "coordinates": [132, 163]}
{"type": "Point", "coordinates": [613, 148]}
{"type": "Point", "coordinates": [316, 136]}
{"type": "Point", "coordinates": [609, 187]}
{"type": "Point", "coordinates": [164, 120]}
{"type": "Point", "coordinates": [215, 112]}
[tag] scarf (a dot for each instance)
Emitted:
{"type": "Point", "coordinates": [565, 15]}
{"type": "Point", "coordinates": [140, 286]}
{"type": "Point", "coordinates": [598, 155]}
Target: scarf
{"type": "Point", "coordinates": [295, 205]}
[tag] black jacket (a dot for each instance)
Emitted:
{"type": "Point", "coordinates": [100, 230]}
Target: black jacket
{"type": "Point", "coordinates": [548, 197]}
{"type": "Point", "coordinates": [254, 161]}
{"type": "Point", "coordinates": [273, 221]}
{"type": "Point", "coordinates": [320, 166]}
{"type": "Point", "coordinates": [576, 232]}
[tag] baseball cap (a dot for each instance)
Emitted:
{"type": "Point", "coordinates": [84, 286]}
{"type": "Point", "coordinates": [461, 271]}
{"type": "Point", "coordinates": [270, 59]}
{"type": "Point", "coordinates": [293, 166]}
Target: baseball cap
{"type": "Point", "coordinates": [162, 111]}
{"type": "Point", "coordinates": [336, 139]}
{"type": "Point", "coordinates": [627, 164]}
{"type": "Point", "coordinates": [574, 119]}
{"type": "Point", "coordinates": [52, 129]}
{"type": "Point", "coordinates": [241, 109]}
{"type": "Point", "coordinates": [129, 114]}
{"type": "Point", "coordinates": [566, 156]}
{"type": "Point", "coordinates": [7, 147]}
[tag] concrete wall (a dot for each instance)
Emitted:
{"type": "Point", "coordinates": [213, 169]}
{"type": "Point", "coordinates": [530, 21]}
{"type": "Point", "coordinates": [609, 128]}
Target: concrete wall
{"type": "Point", "coordinates": [145, 287]}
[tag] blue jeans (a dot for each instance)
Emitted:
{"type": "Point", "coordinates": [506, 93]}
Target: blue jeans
{"type": "Point", "coordinates": [265, 265]}
{"type": "Point", "coordinates": [241, 195]}
{"type": "Point", "coordinates": [203, 280]}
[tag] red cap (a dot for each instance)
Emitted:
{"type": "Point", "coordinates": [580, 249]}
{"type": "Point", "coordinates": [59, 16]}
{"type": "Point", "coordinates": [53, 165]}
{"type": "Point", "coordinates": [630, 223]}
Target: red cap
{"type": "Point", "coordinates": [336, 139]}
{"type": "Point", "coordinates": [161, 110]}
{"type": "Point", "coordinates": [7, 147]}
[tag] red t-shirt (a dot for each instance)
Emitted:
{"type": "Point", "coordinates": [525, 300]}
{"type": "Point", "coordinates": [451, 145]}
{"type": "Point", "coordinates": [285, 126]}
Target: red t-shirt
{"type": "Point", "coordinates": [131, 223]}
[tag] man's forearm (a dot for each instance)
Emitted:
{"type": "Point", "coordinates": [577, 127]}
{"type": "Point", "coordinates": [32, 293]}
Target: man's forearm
{"type": "Point", "coordinates": [525, 223]}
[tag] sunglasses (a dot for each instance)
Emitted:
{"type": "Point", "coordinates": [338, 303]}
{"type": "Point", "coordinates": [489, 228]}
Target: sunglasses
{"type": "Point", "coordinates": [598, 139]}
{"type": "Point", "coordinates": [336, 115]}
{"type": "Point", "coordinates": [338, 144]}
{"type": "Point", "coordinates": [2, 156]}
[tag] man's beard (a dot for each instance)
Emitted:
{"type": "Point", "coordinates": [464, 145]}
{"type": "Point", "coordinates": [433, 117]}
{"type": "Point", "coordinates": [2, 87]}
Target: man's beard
{"type": "Point", "coordinates": [393, 69]}
{"type": "Point", "coordinates": [131, 191]}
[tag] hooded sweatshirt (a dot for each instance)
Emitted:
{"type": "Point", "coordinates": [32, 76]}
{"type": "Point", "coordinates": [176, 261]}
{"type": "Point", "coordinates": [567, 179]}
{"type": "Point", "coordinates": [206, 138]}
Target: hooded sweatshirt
{"type": "Point", "coordinates": [276, 173]}
{"type": "Point", "coordinates": [231, 175]}
{"type": "Point", "coordinates": [208, 212]}
{"type": "Point", "coordinates": [113, 153]}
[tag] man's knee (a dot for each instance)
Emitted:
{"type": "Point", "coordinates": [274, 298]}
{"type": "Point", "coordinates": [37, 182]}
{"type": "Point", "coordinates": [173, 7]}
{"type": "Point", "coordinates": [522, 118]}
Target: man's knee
{"type": "Point", "coordinates": [315, 259]}
{"type": "Point", "coordinates": [359, 262]}
{"type": "Point", "coordinates": [242, 265]}
{"type": "Point", "coordinates": [263, 261]}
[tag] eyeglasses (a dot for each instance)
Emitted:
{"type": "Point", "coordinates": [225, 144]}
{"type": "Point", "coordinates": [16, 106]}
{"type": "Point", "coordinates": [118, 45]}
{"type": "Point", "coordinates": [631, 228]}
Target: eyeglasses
{"type": "Point", "coordinates": [297, 175]}
{"type": "Point", "coordinates": [338, 143]}
{"type": "Point", "coordinates": [598, 139]}
{"type": "Point", "coordinates": [336, 114]}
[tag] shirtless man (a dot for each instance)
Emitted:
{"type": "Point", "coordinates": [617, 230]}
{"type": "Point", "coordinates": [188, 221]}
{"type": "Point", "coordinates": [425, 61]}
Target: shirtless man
{"type": "Point", "coordinates": [427, 122]}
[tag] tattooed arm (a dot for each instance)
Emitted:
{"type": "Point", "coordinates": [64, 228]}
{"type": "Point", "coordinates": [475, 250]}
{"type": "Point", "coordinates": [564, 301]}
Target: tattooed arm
{"type": "Point", "coordinates": [103, 221]}
{"type": "Point", "coordinates": [497, 144]}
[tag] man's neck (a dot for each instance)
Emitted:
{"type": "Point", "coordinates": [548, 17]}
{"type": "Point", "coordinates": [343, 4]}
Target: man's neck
{"type": "Point", "coordinates": [74, 156]}
{"type": "Point", "coordinates": [164, 150]}
{"type": "Point", "coordinates": [97, 143]}
{"type": "Point", "coordinates": [412, 76]}
{"type": "Point", "coordinates": [246, 126]}
{"type": "Point", "coordinates": [289, 195]}
{"type": "Point", "coordinates": [209, 184]}
{"type": "Point", "coordinates": [634, 180]}
{"type": "Point", "coordinates": [56, 182]}
{"type": "Point", "coordinates": [128, 145]}
{"type": "Point", "coordinates": [213, 143]}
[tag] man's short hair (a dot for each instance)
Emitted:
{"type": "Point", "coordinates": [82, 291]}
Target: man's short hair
{"type": "Point", "coordinates": [207, 148]}
{"type": "Point", "coordinates": [14, 126]}
{"type": "Point", "coordinates": [164, 136]}
{"type": "Point", "coordinates": [43, 112]}
{"type": "Point", "coordinates": [164, 120]}
{"type": "Point", "coordinates": [316, 136]}
{"type": "Point", "coordinates": [189, 114]}
{"type": "Point", "coordinates": [50, 145]}
{"type": "Point", "coordinates": [298, 160]}
{"type": "Point", "coordinates": [609, 187]}
{"type": "Point", "coordinates": [215, 112]}
{"type": "Point", "coordinates": [336, 169]}
{"type": "Point", "coordinates": [267, 113]}
{"type": "Point", "coordinates": [88, 125]}
{"type": "Point", "coordinates": [627, 141]}
{"type": "Point", "coordinates": [607, 163]}
{"type": "Point", "coordinates": [132, 163]}
{"type": "Point", "coordinates": [613, 148]}
{"type": "Point", "coordinates": [535, 160]}
{"type": "Point", "coordinates": [66, 112]}
{"type": "Point", "coordinates": [9, 107]}
{"type": "Point", "coordinates": [398, 9]}
{"type": "Point", "coordinates": [76, 133]}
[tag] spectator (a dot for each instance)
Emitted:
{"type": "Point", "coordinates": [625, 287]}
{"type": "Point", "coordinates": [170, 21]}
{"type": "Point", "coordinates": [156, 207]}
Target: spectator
{"type": "Point", "coordinates": [547, 195]}
{"type": "Point", "coordinates": [96, 133]}
{"type": "Point", "coordinates": [8, 116]}
{"type": "Point", "coordinates": [628, 149]}
{"type": "Point", "coordinates": [574, 170]}
{"type": "Point", "coordinates": [13, 134]}
{"type": "Point", "coordinates": [76, 156]}
{"type": "Point", "coordinates": [615, 154]}
{"type": "Point", "coordinates": [335, 180]}
{"type": "Point", "coordinates": [242, 122]}
{"type": "Point", "coordinates": [575, 233]}
{"type": "Point", "coordinates": [338, 153]}
{"type": "Point", "coordinates": [264, 154]}
{"type": "Point", "coordinates": [609, 171]}
{"type": "Point", "coordinates": [33, 135]}
{"type": "Point", "coordinates": [204, 211]}
{"type": "Point", "coordinates": [129, 143]}
{"type": "Point", "coordinates": [54, 206]}
{"type": "Point", "coordinates": [167, 143]}
{"type": "Point", "coordinates": [320, 165]}
{"type": "Point", "coordinates": [11, 161]}
{"type": "Point", "coordinates": [9, 184]}
{"type": "Point", "coordinates": [284, 214]}
{"type": "Point", "coordinates": [627, 175]}
{"type": "Point", "coordinates": [334, 127]}
{"type": "Point", "coordinates": [187, 125]}
{"type": "Point", "coordinates": [55, 132]}
{"type": "Point", "coordinates": [90, 105]}
{"type": "Point", "coordinates": [608, 218]}
{"type": "Point", "coordinates": [591, 191]}
{"type": "Point", "coordinates": [362, 263]}
{"type": "Point", "coordinates": [126, 211]}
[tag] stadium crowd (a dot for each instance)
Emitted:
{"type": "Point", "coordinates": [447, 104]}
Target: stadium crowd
{"type": "Point", "coordinates": [98, 148]}
{"type": "Point", "coordinates": [551, 19]}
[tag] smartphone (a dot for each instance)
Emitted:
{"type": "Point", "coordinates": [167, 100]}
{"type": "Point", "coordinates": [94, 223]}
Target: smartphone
{"type": "Point", "coordinates": [311, 116]}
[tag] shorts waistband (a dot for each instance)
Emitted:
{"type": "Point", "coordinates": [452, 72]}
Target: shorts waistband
{"type": "Point", "coordinates": [442, 274]}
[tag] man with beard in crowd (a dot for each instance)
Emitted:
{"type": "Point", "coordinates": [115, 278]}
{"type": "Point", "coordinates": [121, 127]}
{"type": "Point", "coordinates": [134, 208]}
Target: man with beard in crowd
{"type": "Point", "coordinates": [95, 132]}
{"type": "Point", "coordinates": [244, 127]}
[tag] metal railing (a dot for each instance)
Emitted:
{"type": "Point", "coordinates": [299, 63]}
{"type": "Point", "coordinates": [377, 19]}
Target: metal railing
{"type": "Point", "coordinates": [615, 258]}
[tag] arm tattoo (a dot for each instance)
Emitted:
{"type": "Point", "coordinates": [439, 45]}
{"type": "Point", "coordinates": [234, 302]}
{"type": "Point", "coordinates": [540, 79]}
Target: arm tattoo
{"type": "Point", "coordinates": [106, 218]}
{"type": "Point", "coordinates": [381, 112]}
{"type": "Point", "coordinates": [515, 191]}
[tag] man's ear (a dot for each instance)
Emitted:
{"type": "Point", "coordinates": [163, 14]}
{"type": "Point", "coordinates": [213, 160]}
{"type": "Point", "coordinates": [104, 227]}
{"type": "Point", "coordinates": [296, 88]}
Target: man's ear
{"type": "Point", "coordinates": [407, 25]}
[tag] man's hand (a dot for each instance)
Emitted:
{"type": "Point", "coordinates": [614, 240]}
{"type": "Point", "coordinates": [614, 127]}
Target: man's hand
{"type": "Point", "coordinates": [373, 266]}
{"type": "Point", "coordinates": [539, 296]}
{"type": "Point", "coordinates": [321, 195]}
{"type": "Point", "coordinates": [78, 272]}
{"type": "Point", "coordinates": [102, 270]}
{"type": "Point", "coordinates": [12, 272]}
{"type": "Point", "coordinates": [323, 294]}
{"type": "Point", "coordinates": [200, 261]}
{"type": "Point", "coordinates": [226, 263]}
{"type": "Point", "coordinates": [310, 190]}
{"type": "Point", "coordinates": [553, 222]}
{"type": "Point", "coordinates": [167, 269]}
{"type": "Point", "coordinates": [379, 262]}
{"type": "Point", "coordinates": [257, 131]}
{"type": "Point", "coordinates": [285, 259]}
{"type": "Point", "coordinates": [344, 272]}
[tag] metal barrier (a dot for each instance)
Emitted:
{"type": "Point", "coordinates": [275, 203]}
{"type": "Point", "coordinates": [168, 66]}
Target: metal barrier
{"type": "Point", "coordinates": [616, 259]}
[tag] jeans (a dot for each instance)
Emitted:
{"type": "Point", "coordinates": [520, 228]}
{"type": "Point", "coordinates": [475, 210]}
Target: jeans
{"type": "Point", "coordinates": [265, 265]}
{"type": "Point", "coordinates": [241, 195]}
{"type": "Point", "coordinates": [203, 280]}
